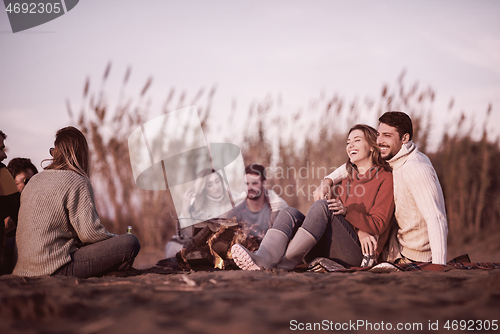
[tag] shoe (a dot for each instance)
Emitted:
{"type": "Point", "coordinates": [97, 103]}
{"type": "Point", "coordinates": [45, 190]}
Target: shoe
{"type": "Point", "coordinates": [268, 255]}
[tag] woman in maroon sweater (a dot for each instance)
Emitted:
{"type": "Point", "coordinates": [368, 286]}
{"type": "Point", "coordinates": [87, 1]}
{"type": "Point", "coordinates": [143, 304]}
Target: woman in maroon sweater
{"type": "Point", "coordinates": [353, 223]}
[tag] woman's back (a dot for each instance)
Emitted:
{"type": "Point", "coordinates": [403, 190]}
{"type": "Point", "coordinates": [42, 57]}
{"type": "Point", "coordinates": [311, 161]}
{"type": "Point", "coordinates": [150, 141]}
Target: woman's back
{"type": "Point", "coordinates": [57, 213]}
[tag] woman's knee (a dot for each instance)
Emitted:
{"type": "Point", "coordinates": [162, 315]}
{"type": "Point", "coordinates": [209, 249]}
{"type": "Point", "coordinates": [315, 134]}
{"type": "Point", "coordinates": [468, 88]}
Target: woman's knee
{"type": "Point", "coordinates": [293, 213]}
{"type": "Point", "coordinates": [319, 205]}
{"type": "Point", "coordinates": [130, 242]}
{"type": "Point", "coordinates": [288, 221]}
{"type": "Point", "coordinates": [319, 209]}
{"type": "Point", "coordinates": [317, 219]}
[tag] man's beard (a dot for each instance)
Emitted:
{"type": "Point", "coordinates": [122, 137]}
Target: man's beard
{"type": "Point", "coordinates": [389, 156]}
{"type": "Point", "coordinates": [257, 194]}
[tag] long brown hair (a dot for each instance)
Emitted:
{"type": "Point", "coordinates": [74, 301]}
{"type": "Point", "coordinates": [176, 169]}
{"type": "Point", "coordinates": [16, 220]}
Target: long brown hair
{"type": "Point", "coordinates": [201, 196]}
{"type": "Point", "coordinates": [371, 137]}
{"type": "Point", "coordinates": [71, 151]}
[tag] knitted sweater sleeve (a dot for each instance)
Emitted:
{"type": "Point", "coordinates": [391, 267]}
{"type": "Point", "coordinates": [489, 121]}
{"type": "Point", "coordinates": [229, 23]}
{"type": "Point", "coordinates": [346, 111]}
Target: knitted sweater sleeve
{"type": "Point", "coordinates": [375, 220]}
{"type": "Point", "coordinates": [426, 191]}
{"type": "Point", "coordinates": [338, 174]}
{"type": "Point", "coordinates": [83, 216]}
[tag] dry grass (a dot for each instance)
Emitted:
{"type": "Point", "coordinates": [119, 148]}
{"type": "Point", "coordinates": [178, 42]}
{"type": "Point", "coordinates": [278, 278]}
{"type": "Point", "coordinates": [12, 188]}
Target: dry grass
{"type": "Point", "coordinates": [301, 148]}
{"type": "Point", "coordinates": [120, 202]}
{"type": "Point", "coordinates": [465, 165]}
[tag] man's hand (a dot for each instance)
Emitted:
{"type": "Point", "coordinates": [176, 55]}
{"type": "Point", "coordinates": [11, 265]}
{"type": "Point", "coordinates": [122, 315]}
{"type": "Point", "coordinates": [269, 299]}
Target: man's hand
{"type": "Point", "coordinates": [323, 189]}
{"type": "Point", "coordinates": [368, 243]}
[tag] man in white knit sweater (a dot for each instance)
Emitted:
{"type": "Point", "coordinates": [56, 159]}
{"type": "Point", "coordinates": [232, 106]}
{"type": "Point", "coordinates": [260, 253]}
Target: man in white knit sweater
{"type": "Point", "coordinates": [420, 209]}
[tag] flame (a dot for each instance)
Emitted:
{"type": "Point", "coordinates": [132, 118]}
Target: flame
{"type": "Point", "coordinates": [228, 232]}
{"type": "Point", "coordinates": [218, 261]}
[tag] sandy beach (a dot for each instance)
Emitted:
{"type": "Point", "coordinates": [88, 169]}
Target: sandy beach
{"type": "Point", "coordinates": [166, 300]}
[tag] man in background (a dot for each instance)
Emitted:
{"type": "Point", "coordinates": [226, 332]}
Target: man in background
{"type": "Point", "coordinates": [259, 210]}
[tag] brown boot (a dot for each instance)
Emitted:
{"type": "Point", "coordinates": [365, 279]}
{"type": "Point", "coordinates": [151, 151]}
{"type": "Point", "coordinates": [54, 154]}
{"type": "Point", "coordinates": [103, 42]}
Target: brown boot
{"type": "Point", "coordinates": [298, 247]}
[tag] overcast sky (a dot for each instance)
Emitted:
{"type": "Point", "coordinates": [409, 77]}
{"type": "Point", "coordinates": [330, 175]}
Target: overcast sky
{"type": "Point", "coordinates": [248, 49]}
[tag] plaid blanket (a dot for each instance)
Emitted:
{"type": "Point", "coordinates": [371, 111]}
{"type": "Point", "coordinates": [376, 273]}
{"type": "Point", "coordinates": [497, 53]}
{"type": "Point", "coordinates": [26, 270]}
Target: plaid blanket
{"type": "Point", "coordinates": [450, 265]}
{"type": "Point", "coordinates": [461, 262]}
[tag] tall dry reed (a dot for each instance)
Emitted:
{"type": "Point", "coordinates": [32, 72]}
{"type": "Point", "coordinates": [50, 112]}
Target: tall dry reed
{"type": "Point", "coordinates": [120, 202]}
{"type": "Point", "coordinates": [465, 165]}
{"type": "Point", "coordinates": [299, 148]}
{"type": "Point", "coordinates": [470, 182]}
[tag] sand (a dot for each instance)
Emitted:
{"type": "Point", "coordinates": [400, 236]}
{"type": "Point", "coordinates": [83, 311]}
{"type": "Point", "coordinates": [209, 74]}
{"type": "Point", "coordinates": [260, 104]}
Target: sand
{"type": "Point", "coordinates": [162, 300]}
{"type": "Point", "coordinates": [165, 299]}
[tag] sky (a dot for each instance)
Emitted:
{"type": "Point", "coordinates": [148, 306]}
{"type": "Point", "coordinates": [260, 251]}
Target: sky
{"type": "Point", "coordinates": [247, 49]}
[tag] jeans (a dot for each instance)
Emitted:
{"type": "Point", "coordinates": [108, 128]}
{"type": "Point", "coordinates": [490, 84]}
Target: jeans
{"type": "Point", "coordinates": [336, 239]}
{"type": "Point", "coordinates": [113, 254]}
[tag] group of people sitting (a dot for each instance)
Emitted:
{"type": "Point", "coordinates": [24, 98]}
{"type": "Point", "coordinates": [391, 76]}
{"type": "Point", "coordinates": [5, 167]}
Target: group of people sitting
{"type": "Point", "coordinates": [51, 225]}
{"type": "Point", "coordinates": [385, 203]}
{"type": "Point", "coordinates": [209, 198]}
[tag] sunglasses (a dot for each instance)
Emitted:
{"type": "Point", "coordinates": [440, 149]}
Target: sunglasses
{"type": "Point", "coordinates": [51, 150]}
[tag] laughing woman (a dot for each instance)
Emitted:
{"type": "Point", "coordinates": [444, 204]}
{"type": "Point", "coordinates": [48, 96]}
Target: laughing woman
{"type": "Point", "coordinates": [353, 223]}
{"type": "Point", "coordinates": [59, 231]}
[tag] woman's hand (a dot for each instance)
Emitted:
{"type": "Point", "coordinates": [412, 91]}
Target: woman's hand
{"type": "Point", "coordinates": [336, 206]}
{"type": "Point", "coordinates": [368, 242]}
{"type": "Point", "coordinates": [323, 189]}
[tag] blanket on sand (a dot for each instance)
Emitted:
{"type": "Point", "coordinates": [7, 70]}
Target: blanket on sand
{"type": "Point", "coordinates": [461, 262]}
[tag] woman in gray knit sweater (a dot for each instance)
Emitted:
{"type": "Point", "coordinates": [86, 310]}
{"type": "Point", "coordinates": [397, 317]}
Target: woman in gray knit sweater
{"type": "Point", "coordinates": [59, 231]}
